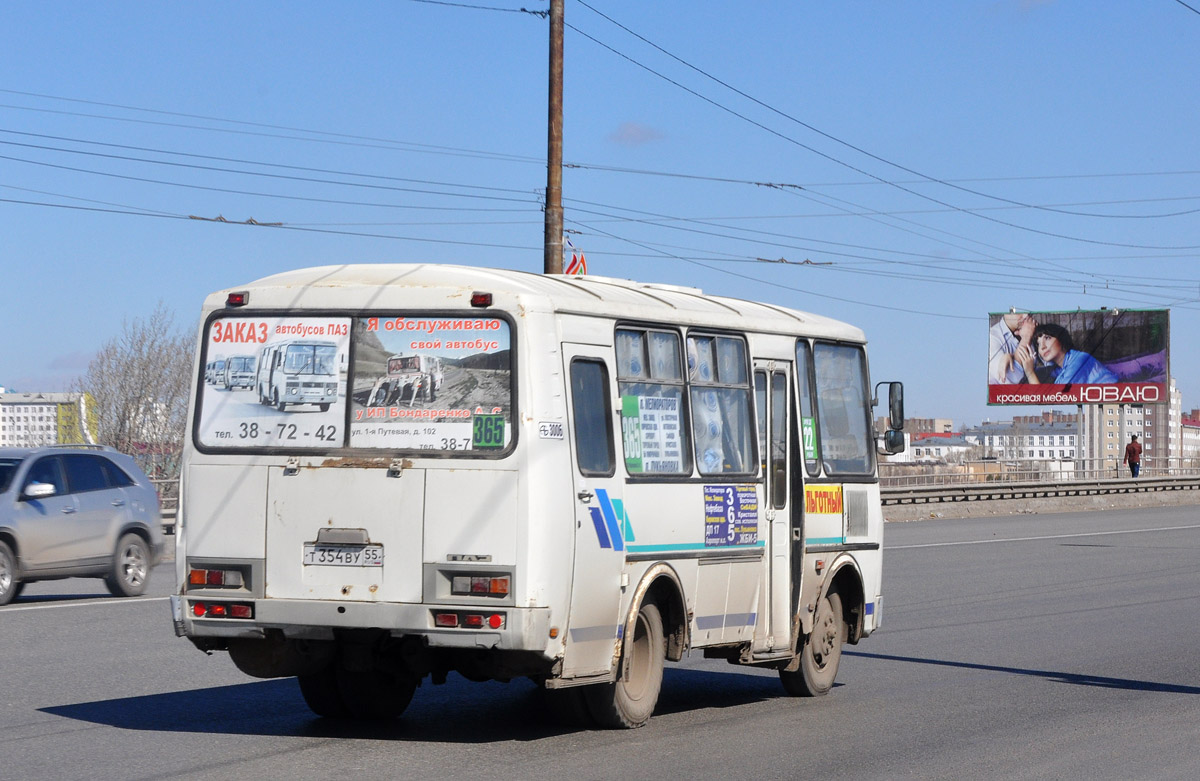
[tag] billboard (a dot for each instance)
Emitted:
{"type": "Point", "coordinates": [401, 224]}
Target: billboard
{"type": "Point", "coordinates": [1108, 356]}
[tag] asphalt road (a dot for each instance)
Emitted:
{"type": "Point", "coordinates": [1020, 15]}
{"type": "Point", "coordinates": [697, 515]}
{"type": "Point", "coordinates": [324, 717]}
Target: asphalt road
{"type": "Point", "coordinates": [1050, 646]}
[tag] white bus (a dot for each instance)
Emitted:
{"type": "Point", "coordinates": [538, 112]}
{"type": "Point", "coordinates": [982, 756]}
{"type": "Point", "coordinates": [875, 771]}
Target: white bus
{"type": "Point", "coordinates": [239, 372]}
{"type": "Point", "coordinates": [613, 475]}
{"type": "Point", "coordinates": [300, 371]}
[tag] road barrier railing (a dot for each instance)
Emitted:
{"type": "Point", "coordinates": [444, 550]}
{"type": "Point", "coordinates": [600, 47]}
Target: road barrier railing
{"type": "Point", "coordinates": [985, 491]}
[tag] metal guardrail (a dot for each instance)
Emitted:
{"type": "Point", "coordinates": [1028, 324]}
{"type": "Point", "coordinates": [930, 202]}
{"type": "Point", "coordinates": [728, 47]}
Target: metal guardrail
{"type": "Point", "coordinates": [981, 491]}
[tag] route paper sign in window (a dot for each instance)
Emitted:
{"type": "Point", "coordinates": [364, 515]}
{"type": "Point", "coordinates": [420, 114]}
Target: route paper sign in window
{"type": "Point", "coordinates": [281, 383]}
{"type": "Point", "coordinates": [431, 383]}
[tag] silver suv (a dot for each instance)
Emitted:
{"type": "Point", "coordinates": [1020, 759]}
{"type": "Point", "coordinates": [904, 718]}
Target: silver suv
{"type": "Point", "coordinates": [76, 511]}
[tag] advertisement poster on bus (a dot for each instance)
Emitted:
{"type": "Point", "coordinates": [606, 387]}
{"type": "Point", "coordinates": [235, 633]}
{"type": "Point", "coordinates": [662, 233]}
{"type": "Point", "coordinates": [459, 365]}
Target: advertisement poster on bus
{"type": "Point", "coordinates": [430, 383]}
{"type": "Point", "coordinates": [274, 382]}
{"type": "Point", "coordinates": [1106, 356]}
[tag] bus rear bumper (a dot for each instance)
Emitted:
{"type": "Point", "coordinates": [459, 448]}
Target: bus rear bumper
{"type": "Point", "coordinates": [503, 628]}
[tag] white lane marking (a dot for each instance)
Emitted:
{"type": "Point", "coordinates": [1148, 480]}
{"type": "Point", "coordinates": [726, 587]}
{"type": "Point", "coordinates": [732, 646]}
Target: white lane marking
{"type": "Point", "coordinates": [1046, 537]}
{"type": "Point", "coordinates": [84, 603]}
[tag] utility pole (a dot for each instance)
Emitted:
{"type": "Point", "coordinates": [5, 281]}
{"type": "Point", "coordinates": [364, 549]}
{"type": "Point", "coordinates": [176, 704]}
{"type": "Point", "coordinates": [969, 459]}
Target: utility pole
{"type": "Point", "coordinates": [554, 212]}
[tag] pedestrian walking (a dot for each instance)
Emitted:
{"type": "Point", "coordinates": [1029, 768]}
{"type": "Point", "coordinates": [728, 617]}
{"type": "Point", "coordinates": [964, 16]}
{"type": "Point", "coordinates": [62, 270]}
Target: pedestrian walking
{"type": "Point", "coordinates": [1133, 456]}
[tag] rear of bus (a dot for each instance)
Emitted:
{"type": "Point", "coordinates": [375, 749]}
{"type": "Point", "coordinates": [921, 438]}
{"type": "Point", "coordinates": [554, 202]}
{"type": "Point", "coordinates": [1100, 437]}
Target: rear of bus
{"type": "Point", "coordinates": [358, 546]}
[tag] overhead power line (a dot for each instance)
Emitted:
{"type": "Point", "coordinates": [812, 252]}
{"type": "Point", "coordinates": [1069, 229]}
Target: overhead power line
{"type": "Point", "coordinates": [839, 161]}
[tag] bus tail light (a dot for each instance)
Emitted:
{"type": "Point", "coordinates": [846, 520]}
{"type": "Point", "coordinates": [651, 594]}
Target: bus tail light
{"type": "Point", "coordinates": [448, 620]}
{"type": "Point", "coordinates": [216, 578]}
{"type": "Point", "coordinates": [241, 610]}
{"type": "Point", "coordinates": [480, 586]}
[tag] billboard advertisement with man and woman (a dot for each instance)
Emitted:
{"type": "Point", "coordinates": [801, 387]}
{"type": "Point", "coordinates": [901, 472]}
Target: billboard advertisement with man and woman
{"type": "Point", "coordinates": [1108, 356]}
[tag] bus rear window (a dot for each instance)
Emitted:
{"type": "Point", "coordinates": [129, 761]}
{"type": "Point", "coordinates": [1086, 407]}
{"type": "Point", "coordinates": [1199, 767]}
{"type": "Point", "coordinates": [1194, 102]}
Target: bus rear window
{"type": "Point", "coordinates": [429, 383]}
{"type": "Point", "coordinates": [296, 397]}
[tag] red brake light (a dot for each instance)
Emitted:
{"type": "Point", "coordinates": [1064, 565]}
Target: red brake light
{"type": "Point", "coordinates": [473, 621]}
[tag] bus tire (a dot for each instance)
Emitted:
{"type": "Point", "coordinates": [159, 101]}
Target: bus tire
{"type": "Point", "coordinates": [279, 403]}
{"type": "Point", "coordinates": [627, 704]}
{"type": "Point", "coordinates": [320, 692]}
{"type": "Point", "coordinates": [375, 695]}
{"type": "Point", "coordinates": [821, 653]}
{"type": "Point", "coordinates": [323, 407]}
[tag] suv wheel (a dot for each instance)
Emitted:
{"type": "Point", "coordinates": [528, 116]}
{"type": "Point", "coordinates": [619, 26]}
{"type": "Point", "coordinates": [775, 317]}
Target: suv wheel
{"type": "Point", "coordinates": [130, 567]}
{"type": "Point", "coordinates": [10, 587]}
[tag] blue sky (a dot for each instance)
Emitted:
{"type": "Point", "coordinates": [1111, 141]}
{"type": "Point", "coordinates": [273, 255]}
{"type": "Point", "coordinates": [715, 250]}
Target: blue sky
{"type": "Point", "coordinates": [917, 165]}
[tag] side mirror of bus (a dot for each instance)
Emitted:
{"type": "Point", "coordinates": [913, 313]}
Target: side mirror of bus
{"type": "Point", "coordinates": [893, 441]}
{"type": "Point", "coordinates": [896, 405]}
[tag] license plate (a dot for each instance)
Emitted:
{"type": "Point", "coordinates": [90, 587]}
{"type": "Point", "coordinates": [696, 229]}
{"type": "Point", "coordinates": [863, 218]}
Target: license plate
{"type": "Point", "coordinates": [344, 555]}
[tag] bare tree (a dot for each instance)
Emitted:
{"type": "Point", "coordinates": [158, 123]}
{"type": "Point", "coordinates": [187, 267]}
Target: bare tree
{"type": "Point", "coordinates": [138, 383]}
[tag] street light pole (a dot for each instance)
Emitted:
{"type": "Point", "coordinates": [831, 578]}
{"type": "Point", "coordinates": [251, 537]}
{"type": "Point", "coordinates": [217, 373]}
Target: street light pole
{"type": "Point", "coordinates": [553, 247]}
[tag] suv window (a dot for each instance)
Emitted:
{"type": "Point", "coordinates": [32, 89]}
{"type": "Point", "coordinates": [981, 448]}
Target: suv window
{"type": "Point", "coordinates": [85, 473]}
{"type": "Point", "coordinates": [8, 468]}
{"type": "Point", "coordinates": [116, 475]}
{"type": "Point", "coordinates": [47, 470]}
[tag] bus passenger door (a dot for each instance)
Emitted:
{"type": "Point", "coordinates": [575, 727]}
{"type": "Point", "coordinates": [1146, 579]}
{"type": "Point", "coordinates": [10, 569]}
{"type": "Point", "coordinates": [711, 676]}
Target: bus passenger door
{"type": "Point", "coordinates": [594, 619]}
{"type": "Point", "coordinates": [773, 396]}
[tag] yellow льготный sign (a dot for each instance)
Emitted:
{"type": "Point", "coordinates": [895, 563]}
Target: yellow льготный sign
{"type": "Point", "coordinates": [823, 499]}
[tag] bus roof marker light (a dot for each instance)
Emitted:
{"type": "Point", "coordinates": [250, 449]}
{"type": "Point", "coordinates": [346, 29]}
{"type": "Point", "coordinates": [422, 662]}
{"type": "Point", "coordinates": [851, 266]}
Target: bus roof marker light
{"type": "Point", "coordinates": [481, 299]}
{"type": "Point", "coordinates": [240, 298]}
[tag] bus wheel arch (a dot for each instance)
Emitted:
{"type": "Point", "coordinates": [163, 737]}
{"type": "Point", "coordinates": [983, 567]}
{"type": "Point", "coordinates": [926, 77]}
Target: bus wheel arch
{"type": "Point", "coordinates": [662, 586]}
{"type": "Point", "coordinates": [837, 620]}
{"type": "Point", "coordinates": [847, 583]}
{"type": "Point", "coordinates": [654, 631]}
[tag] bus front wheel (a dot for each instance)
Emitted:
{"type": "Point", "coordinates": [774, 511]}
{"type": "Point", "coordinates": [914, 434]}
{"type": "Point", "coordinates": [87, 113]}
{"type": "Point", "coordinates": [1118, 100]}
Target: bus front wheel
{"type": "Point", "coordinates": [629, 701]}
{"type": "Point", "coordinates": [279, 403]}
{"type": "Point", "coordinates": [821, 652]}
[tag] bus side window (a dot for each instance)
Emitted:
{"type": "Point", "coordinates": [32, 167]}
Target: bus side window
{"type": "Point", "coordinates": [722, 429]}
{"type": "Point", "coordinates": [760, 404]}
{"type": "Point", "coordinates": [779, 470]}
{"type": "Point", "coordinates": [591, 418]}
{"type": "Point", "coordinates": [808, 421]}
{"type": "Point", "coordinates": [847, 444]}
{"type": "Point", "coordinates": [651, 388]}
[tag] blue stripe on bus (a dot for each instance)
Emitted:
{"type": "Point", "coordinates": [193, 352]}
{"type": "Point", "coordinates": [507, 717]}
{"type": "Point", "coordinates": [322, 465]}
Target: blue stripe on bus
{"type": "Point", "coordinates": [685, 546]}
{"type": "Point", "coordinates": [610, 518]}
{"type": "Point", "coordinates": [722, 621]}
{"type": "Point", "coordinates": [590, 634]}
{"type": "Point", "coordinates": [601, 531]}
{"type": "Point", "coordinates": [825, 540]}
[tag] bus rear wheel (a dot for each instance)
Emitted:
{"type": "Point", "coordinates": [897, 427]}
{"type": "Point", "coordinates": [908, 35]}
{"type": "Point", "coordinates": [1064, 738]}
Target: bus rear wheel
{"type": "Point", "coordinates": [821, 653]}
{"type": "Point", "coordinates": [320, 692]}
{"type": "Point", "coordinates": [375, 695]}
{"type": "Point", "coordinates": [629, 701]}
